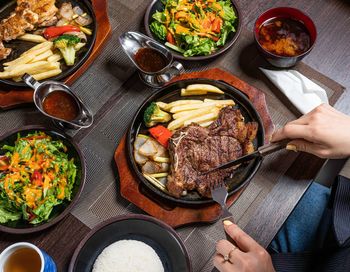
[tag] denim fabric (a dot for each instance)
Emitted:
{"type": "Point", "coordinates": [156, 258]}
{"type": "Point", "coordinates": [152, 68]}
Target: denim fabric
{"type": "Point", "coordinates": [300, 231]}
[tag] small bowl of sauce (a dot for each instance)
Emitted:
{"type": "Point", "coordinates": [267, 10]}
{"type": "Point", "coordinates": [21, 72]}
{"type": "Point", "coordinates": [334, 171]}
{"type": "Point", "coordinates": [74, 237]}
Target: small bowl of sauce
{"type": "Point", "coordinates": [57, 101]}
{"type": "Point", "coordinates": [150, 60]}
{"type": "Point", "coordinates": [284, 36]}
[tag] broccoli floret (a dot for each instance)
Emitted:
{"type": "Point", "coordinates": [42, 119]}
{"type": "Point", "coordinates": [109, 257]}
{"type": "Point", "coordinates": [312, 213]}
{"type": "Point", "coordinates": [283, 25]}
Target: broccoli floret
{"type": "Point", "coordinates": [153, 115]}
{"type": "Point", "coordinates": [66, 44]}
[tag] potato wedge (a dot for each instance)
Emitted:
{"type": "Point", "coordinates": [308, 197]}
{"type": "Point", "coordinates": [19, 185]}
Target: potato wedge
{"type": "Point", "coordinates": [203, 87]}
{"type": "Point", "coordinates": [55, 57]}
{"type": "Point", "coordinates": [47, 74]}
{"type": "Point", "coordinates": [20, 60]}
{"type": "Point", "coordinates": [204, 118]}
{"type": "Point", "coordinates": [32, 38]}
{"type": "Point", "coordinates": [194, 113]}
{"type": "Point", "coordinates": [42, 56]}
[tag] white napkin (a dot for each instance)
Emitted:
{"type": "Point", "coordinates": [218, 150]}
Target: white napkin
{"type": "Point", "coordinates": [304, 94]}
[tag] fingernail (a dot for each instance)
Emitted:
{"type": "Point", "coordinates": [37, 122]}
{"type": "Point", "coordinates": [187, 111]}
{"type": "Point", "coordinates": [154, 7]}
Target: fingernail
{"type": "Point", "coordinates": [227, 223]}
{"type": "Point", "coordinates": [291, 147]}
{"type": "Point", "coordinates": [270, 138]}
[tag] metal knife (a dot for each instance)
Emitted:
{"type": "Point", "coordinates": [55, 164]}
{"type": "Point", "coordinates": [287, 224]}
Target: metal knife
{"type": "Point", "coordinates": [260, 152]}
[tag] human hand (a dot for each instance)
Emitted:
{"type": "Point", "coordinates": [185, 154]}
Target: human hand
{"type": "Point", "coordinates": [324, 132]}
{"type": "Point", "coordinates": [247, 256]}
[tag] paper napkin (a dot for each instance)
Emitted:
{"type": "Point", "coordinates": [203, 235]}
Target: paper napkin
{"type": "Point", "coordinates": [304, 94]}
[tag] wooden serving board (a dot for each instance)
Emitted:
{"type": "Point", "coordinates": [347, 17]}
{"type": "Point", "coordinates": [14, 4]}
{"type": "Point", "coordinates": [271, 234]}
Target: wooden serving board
{"type": "Point", "coordinates": [176, 216]}
{"type": "Point", "coordinates": [10, 98]}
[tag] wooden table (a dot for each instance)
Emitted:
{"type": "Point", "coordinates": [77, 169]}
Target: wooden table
{"type": "Point", "coordinates": [330, 56]}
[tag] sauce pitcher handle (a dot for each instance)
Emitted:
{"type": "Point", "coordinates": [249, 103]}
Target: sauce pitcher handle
{"type": "Point", "coordinates": [30, 81]}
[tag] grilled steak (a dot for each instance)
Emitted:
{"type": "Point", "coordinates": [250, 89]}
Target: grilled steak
{"type": "Point", "coordinates": [194, 150]}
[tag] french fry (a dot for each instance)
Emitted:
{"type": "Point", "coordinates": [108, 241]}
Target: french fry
{"type": "Point", "coordinates": [184, 102]}
{"type": "Point", "coordinates": [32, 38]}
{"type": "Point", "coordinates": [224, 102]}
{"type": "Point", "coordinates": [206, 124]}
{"type": "Point", "coordinates": [162, 105]}
{"type": "Point", "coordinates": [47, 74]}
{"type": "Point", "coordinates": [37, 51]}
{"type": "Point", "coordinates": [42, 56]}
{"type": "Point", "coordinates": [177, 123]}
{"type": "Point", "coordinates": [20, 60]}
{"type": "Point", "coordinates": [193, 113]}
{"type": "Point", "coordinates": [204, 118]}
{"type": "Point", "coordinates": [193, 107]}
{"type": "Point", "coordinates": [31, 68]}
{"type": "Point", "coordinates": [184, 92]}
{"type": "Point", "coordinates": [203, 87]}
{"type": "Point", "coordinates": [55, 57]}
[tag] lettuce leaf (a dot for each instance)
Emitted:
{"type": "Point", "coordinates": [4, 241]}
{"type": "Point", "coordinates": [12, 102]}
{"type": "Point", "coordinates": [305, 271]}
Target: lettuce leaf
{"type": "Point", "coordinates": [226, 29]}
{"type": "Point", "coordinates": [158, 29]}
{"type": "Point", "coordinates": [201, 47]}
{"type": "Point", "coordinates": [229, 13]}
{"type": "Point", "coordinates": [6, 215]}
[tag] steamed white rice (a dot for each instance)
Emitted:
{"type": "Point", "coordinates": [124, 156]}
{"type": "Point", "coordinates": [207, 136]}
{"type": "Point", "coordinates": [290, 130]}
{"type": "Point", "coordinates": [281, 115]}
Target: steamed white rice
{"type": "Point", "coordinates": [128, 256]}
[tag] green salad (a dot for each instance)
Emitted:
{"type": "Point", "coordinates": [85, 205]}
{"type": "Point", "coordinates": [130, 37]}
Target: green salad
{"type": "Point", "coordinates": [194, 27]}
{"type": "Point", "coordinates": [39, 177]}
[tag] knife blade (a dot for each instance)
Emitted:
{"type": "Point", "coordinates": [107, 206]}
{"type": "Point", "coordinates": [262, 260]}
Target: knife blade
{"type": "Point", "coordinates": [260, 152]}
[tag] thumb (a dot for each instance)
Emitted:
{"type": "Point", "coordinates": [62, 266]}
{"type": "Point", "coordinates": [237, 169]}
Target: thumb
{"type": "Point", "coordinates": [306, 146]}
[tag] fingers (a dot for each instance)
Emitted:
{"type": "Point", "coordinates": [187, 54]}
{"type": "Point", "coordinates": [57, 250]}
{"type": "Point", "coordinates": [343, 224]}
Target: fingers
{"type": "Point", "coordinates": [312, 148]}
{"type": "Point", "coordinates": [224, 247]}
{"type": "Point", "coordinates": [291, 131]}
{"type": "Point", "coordinates": [222, 265]}
{"type": "Point", "coordinates": [243, 240]}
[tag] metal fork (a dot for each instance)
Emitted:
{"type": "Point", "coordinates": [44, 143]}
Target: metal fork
{"type": "Point", "coordinates": [219, 194]}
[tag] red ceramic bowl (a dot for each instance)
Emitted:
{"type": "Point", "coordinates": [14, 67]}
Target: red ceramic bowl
{"type": "Point", "coordinates": [284, 12]}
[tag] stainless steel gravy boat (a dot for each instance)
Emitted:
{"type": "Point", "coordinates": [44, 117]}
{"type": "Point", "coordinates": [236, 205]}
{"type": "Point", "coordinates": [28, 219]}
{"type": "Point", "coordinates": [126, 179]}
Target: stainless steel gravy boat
{"type": "Point", "coordinates": [132, 41]}
{"type": "Point", "coordinates": [84, 118]}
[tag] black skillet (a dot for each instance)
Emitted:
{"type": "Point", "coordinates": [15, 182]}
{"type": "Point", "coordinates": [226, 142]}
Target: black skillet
{"type": "Point", "coordinates": [60, 211]}
{"type": "Point", "coordinates": [239, 177]}
{"type": "Point", "coordinates": [18, 47]}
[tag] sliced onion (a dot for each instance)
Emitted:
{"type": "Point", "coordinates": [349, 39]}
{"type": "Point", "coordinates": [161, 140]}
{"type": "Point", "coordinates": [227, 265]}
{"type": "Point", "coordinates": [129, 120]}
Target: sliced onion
{"type": "Point", "coordinates": [140, 159]}
{"type": "Point", "coordinates": [164, 167]}
{"type": "Point", "coordinates": [66, 11]}
{"type": "Point", "coordinates": [77, 10]}
{"type": "Point", "coordinates": [81, 35]}
{"type": "Point", "coordinates": [148, 149]}
{"type": "Point", "coordinates": [151, 168]}
{"type": "Point", "coordinates": [83, 20]}
{"type": "Point", "coordinates": [62, 22]}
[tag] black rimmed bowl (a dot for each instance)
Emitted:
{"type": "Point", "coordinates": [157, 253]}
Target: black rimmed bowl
{"type": "Point", "coordinates": [161, 237]}
{"type": "Point", "coordinates": [239, 178]}
{"type": "Point", "coordinates": [18, 46]}
{"type": "Point", "coordinates": [290, 13]}
{"type": "Point", "coordinates": [157, 5]}
{"type": "Point", "coordinates": [60, 211]}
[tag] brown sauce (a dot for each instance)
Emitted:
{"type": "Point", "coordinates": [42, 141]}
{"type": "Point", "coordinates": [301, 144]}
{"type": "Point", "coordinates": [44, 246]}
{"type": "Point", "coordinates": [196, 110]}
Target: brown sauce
{"type": "Point", "coordinates": [61, 105]}
{"type": "Point", "coordinates": [284, 37]}
{"type": "Point", "coordinates": [23, 260]}
{"type": "Point", "coordinates": [150, 60]}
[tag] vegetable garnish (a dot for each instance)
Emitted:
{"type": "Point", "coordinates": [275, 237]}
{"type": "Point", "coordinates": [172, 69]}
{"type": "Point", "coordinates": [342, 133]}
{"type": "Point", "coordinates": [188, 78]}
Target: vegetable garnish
{"type": "Point", "coordinates": [55, 31]}
{"type": "Point", "coordinates": [66, 44]}
{"type": "Point", "coordinates": [161, 134]}
{"type": "Point", "coordinates": [194, 27]}
{"type": "Point", "coordinates": [40, 176]}
{"type": "Point", "coordinates": [154, 115]}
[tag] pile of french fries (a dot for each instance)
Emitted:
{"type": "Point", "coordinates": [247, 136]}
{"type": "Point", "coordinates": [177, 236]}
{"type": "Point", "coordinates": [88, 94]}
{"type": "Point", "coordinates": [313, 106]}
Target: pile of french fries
{"type": "Point", "coordinates": [40, 61]}
{"type": "Point", "coordinates": [185, 112]}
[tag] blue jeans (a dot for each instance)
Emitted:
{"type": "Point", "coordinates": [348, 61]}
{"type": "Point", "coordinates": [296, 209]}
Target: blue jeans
{"type": "Point", "coordinates": [299, 233]}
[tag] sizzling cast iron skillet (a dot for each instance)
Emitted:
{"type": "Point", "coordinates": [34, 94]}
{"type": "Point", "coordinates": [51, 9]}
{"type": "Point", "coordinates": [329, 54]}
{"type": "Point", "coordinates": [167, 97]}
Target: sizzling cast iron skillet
{"type": "Point", "coordinates": [18, 47]}
{"type": "Point", "coordinates": [60, 211]}
{"type": "Point", "coordinates": [151, 231]}
{"type": "Point", "coordinates": [170, 93]}
{"type": "Point", "coordinates": [157, 5]}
